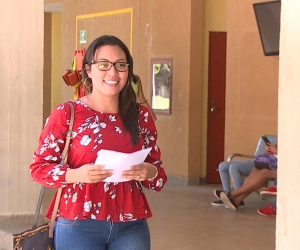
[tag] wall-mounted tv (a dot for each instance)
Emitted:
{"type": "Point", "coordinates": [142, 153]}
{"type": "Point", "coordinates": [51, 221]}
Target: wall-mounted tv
{"type": "Point", "coordinates": [268, 21]}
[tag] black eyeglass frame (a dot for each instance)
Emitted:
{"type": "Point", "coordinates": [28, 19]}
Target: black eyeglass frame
{"type": "Point", "coordinates": [111, 64]}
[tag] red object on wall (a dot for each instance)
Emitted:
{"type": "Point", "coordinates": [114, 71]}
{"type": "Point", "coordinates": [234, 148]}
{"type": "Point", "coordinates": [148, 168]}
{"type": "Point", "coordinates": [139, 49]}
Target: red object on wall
{"type": "Point", "coordinates": [79, 54]}
{"type": "Point", "coordinates": [73, 77]}
{"type": "Point", "coordinates": [79, 90]}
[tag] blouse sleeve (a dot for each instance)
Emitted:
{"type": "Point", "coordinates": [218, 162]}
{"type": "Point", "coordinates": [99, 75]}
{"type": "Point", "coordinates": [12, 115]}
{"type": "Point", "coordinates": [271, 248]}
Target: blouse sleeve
{"type": "Point", "coordinates": [46, 167]}
{"type": "Point", "coordinates": [149, 134]}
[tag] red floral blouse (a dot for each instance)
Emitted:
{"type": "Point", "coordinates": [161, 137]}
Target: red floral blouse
{"type": "Point", "coordinates": [93, 131]}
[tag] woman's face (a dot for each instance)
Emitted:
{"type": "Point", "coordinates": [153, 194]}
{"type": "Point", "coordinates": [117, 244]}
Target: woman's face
{"type": "Point", "coordinates": [111, 82]}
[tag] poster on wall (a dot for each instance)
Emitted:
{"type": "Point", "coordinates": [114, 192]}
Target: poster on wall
{"type": "Point", "coordinates": [161, 85]}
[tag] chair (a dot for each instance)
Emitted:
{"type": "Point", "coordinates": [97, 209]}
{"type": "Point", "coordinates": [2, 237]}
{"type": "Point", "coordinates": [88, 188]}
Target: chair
{"type": "Point", "coordinates": [260, 148]}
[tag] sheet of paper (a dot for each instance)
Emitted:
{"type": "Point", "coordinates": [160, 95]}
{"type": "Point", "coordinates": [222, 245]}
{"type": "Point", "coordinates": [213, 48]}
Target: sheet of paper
{"type": "Point", "coordinates": [120, 161]}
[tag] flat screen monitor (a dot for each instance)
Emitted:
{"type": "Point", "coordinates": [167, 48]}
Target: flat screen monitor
{"type": "Point", "coordinates": [268, 21]}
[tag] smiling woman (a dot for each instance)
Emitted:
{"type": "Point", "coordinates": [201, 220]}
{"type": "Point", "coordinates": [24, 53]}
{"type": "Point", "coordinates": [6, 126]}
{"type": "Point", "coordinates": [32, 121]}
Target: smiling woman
{"type": "Point", "coordinates": [109, 118]}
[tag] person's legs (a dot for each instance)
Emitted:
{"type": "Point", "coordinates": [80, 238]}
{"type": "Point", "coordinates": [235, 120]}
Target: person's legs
{"type": "Point", "coordinates": [132, 235]}
{"type": "Point", "coordinates": [255, 180]}
{"type": "Point", "coordinates": [224, 169]}
{"type": "Point", "coordinates": [224, 174]}
{"type": "Point", "coordinates": [81, 234]}
{"type": "Point", "coordinates": [101, 235]}
{"type": "Point", "coordinates": [238, 170]}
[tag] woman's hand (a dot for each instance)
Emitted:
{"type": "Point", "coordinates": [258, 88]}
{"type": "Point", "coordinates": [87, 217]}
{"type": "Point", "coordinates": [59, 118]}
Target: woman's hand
{"type": "Point", "coordinates": [140, 172]}
{"type": "Point", "coordinates": [88, 173]}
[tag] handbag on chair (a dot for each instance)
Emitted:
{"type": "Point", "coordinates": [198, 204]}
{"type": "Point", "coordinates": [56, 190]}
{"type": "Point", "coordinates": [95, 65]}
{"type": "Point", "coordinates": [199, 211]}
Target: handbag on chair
{"type": "Point", "coordinates": [41, 237]}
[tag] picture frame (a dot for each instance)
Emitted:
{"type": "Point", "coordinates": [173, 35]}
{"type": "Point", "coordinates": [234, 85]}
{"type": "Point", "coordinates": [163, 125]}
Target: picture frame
{"type": "Point", "coordinates": [161, 85]}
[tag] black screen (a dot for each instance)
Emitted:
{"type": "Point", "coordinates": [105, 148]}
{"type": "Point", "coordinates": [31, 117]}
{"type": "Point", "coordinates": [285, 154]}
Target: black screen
{"type": "Point", "coordinates": [268, 21]}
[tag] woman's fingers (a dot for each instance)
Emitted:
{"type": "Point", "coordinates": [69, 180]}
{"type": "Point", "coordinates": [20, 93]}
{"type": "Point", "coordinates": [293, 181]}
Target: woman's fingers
{"type": "Point", "coordinates": [94, 173]}
{"type": "Point", "coordinates": [136, 172]}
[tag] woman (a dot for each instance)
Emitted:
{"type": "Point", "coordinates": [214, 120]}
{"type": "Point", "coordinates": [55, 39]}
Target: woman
{"type": "Point", "coordinates": [94, 214]}
{"type": "Point", "coordinates": [138, 89]}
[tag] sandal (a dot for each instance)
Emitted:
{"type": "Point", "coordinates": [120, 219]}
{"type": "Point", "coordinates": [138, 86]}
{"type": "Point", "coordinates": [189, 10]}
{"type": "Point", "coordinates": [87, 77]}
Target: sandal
{"type": "Point", "coordinates": [228, 201]}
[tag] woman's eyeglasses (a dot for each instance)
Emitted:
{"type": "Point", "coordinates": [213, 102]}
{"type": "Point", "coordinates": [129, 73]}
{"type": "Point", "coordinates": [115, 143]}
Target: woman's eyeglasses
{"type": "Point", "coordinates": [106, 65]}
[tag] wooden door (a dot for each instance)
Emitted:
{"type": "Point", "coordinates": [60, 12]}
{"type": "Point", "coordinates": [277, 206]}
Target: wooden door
{"type": "Point", "coordinates": [216, 104]}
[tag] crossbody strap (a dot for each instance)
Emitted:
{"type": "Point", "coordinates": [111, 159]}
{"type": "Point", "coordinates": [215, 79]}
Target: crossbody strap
{"type": "Point", "coordinates": [59, 191]}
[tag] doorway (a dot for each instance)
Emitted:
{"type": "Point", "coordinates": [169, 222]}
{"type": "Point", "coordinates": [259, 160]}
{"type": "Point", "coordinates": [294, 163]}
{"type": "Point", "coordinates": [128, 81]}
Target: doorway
{"type": "Point", "coordinates": [216, 104]}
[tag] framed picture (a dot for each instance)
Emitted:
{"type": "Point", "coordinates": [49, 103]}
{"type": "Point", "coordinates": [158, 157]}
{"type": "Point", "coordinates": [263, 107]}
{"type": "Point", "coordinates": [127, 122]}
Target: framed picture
{"type": "Point", "coordinates": [161, 85]}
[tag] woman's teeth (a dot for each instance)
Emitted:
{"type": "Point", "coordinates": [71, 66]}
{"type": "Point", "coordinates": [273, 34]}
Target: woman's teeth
{"type": "Point", "coordinates": [111, 82]}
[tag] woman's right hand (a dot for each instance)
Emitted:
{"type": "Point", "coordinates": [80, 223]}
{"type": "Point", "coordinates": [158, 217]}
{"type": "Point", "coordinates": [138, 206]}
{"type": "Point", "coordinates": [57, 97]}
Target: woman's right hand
{"type": "Point", "coordinates": [88, 173]}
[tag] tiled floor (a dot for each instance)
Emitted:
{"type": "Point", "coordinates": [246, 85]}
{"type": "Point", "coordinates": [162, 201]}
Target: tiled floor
{"type": "Point", "coordinates": [183, 219]}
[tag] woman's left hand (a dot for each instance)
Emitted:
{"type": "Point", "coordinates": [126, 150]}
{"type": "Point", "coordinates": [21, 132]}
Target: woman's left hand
{"type": "Point", "coordinates": [140, 172]}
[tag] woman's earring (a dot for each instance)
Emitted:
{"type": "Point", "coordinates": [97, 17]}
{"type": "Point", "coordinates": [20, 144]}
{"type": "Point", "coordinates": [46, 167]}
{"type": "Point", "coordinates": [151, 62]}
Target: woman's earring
{"type": "Point", "coordinates": [88, 83]}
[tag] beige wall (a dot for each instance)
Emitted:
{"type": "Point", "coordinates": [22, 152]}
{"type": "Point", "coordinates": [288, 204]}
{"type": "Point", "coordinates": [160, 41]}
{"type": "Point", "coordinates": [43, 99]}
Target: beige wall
{"type": "Point", "coordinates": [195, 92]}
{"type": "Point", "coordinates": [251, 82]}
{"type": "Point", "coordinates": [47, 93]}
{"type": "Point", "coordinates": [56, 57]}
{"type": "Point", "coordinates": [21, 78]}
{"type": "Point", "coordinates": [288, 221]}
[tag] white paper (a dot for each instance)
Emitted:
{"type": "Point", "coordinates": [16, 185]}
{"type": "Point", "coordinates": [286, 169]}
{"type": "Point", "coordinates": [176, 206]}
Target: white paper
{"type": "Point", "coordinates": [118, 162]}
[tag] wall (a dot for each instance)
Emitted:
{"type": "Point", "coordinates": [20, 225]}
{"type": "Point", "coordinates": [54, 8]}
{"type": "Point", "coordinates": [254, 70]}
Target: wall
{"type": "Point", "coordinates": [56, 70]}
{"type": "Point", "coordinates": [252, 82]}
{"type": "Point", "coordinates": [21, 78]}
{"type": "Point", "coordinates": [195, 92]}
{"type": "Point", "coordinates": [47, 78]}
{"type": "Point", "coordinates": [153, 38]}
{"type": "Point", "coordinates": [287, 221]}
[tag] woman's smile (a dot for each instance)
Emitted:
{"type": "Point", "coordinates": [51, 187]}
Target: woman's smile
{"type": "Point", "coordinates": [110, 82]}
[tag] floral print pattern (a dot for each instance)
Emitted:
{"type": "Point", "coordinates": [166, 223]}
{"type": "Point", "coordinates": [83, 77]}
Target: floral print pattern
{"type": "Point", "coordinates": [93, 131]}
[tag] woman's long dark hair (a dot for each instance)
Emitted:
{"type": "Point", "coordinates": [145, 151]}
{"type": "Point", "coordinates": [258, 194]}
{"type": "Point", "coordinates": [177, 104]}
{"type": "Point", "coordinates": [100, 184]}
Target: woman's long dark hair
{"type": "Point", "coordinates": [128, 108]}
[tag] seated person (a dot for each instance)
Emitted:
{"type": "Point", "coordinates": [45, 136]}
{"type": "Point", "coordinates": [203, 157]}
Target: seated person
{"type": "Point", "coordinates": [271, 209]}
{"type": "Point", "coordinates": [236, 170]}
{"type": "Point", "coordinates": [265, 168]}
